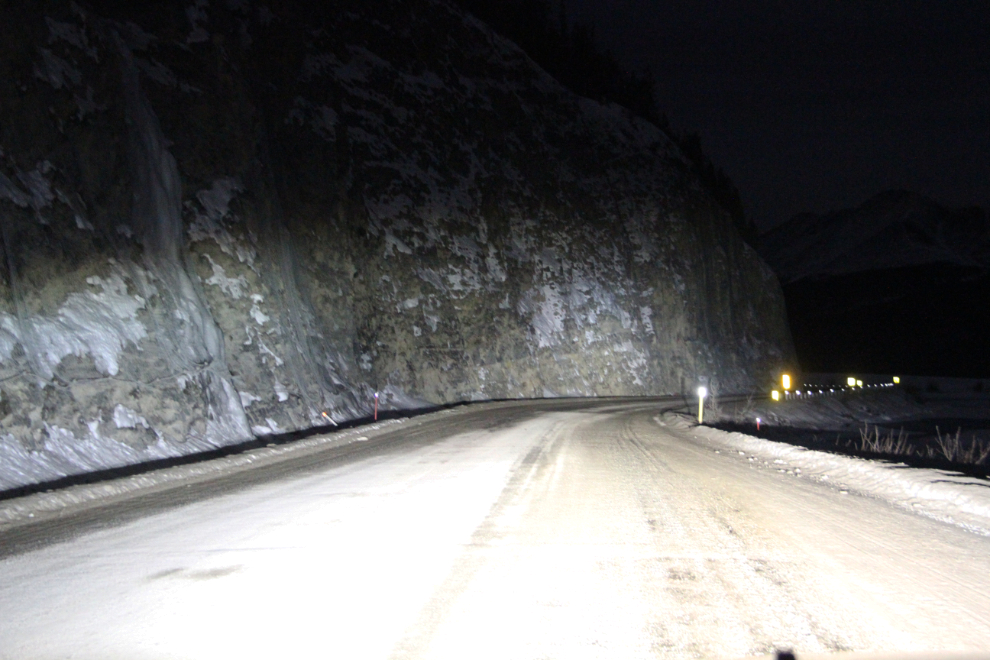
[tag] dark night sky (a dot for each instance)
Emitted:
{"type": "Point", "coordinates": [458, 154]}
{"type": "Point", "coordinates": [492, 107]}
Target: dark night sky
{"type": "Point", "coordinates": [817, 105]}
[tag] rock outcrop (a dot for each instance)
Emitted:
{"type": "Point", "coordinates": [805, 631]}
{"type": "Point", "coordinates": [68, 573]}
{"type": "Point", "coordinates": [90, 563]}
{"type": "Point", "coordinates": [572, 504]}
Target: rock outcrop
{"type": "Point", "coordinates": [228, 219]}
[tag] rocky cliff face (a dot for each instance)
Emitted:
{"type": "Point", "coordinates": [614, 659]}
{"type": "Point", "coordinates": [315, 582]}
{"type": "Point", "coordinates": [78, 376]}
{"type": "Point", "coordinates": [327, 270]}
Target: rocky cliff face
{"type": "Point", "coordinates": [227, 219]}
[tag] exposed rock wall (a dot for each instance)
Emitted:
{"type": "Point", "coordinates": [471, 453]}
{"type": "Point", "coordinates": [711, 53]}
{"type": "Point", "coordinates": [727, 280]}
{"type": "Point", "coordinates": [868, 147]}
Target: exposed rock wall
{"type": "Point", "coordinates": [225, 219]}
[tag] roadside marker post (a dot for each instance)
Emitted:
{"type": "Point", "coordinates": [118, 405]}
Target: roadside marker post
{"type": "Point", "coordinates": [376, 406]}
{"type": "Point", "coordinates": [702, 393]}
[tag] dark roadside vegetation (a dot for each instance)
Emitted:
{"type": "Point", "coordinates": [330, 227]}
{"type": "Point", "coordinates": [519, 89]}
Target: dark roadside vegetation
{"type": "Point", "coordinates": [931, 428]}
{"type": "Point", "coordinates": [924, 444]}
{"type": "Point", "coordinates": [568, 52]}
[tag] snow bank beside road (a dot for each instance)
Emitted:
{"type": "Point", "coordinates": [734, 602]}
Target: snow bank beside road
{"type": "Point", "coordinates": [939, 494]}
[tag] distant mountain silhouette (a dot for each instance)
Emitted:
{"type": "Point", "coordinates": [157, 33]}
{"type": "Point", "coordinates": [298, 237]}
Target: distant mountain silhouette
{"type": "Point", "coordinates": [894, 229]}
{"type": "Point", "coordinates": [898, 284]}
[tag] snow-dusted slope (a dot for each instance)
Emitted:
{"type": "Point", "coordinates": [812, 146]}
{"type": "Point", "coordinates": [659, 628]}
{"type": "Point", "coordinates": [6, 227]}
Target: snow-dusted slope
{"type": "Point", "coordinates": [222, 221]}
{"type": "Point", "coordinates": [892, 230]}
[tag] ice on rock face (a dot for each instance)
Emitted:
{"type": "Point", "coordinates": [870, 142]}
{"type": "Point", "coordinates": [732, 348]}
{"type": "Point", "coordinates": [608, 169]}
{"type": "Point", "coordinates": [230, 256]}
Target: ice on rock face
{"type": "Point", "coordinates": [135, 37]}
{"type": "Point", "coordinates": [278, 361]}
{"type": "Point", "coordinates": [56, 71]}
{"type": "Point", "coordinates": [157, 71]}
{"type": "Point", "coordinates": [546, 312]}
{"type": "Point", "coordinates": [99, 325]}
{"type": "Point", "coordinates": [196, 13]}
{"type": "Point", "coordinates": [188, 336]}
{"type": "Point", "coordinates": [646, 316]}
{"type": "Point", "coordinates": [216, 200]}
{"type": "Point", "coordinates": [71, 34]}
{"type": "Point", "coordinates": [247, 399]}
{"type": "Point", "coordinates": [211, 224]}
{"type": "Point", "coordinates": [39, 187]}
{"type": "Point", "coordinates": [9, 190]}
{"type": "Point", "coordinates": [38, 193]}
{"type": "Point", "coordinates": [391, 241]}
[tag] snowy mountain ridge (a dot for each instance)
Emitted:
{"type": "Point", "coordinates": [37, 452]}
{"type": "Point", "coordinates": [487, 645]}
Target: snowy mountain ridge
{"type": "Point", "coordinates": [891, 230]}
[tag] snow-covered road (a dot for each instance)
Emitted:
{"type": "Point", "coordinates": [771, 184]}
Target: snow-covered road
{"type": "Point", "coordinates": [516, 530]}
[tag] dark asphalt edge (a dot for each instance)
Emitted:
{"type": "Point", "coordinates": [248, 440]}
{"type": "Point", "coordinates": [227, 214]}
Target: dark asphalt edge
{"type": "Point", "coordinates": [257, 442]}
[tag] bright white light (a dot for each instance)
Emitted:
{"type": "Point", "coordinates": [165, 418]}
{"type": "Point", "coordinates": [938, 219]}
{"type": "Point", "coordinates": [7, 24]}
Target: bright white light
{"type": "Point", "coordinates": [702, 392]}
{"type": "Point", "coordinates": [851, 381]}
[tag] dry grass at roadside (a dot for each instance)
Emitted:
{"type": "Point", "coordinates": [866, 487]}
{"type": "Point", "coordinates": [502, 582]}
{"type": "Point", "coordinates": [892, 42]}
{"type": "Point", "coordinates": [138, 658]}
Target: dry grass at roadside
{"type": "Point", "coordinates": [889, 423]}
{"type": "Point", "coordinates": [953, 448]}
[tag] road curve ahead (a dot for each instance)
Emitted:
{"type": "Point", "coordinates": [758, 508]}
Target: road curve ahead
{"type": "Point", "coordinates": [513, 530]}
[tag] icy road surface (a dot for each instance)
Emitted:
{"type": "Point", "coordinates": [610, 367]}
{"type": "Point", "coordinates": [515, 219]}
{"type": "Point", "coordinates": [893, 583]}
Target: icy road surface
{"type": "Point", "coordinates": [520, 530]}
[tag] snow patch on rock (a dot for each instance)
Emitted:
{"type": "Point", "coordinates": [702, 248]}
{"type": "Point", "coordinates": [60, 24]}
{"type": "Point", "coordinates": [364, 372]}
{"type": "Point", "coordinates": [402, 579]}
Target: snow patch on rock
{"type": "Point", "coordinates": [280, 391]}
{"type": "Point", "coordinates": [55, 71]}
{"type": "Point", "coordinates": [100, 325]}
{"type": "Point", "coordinates": [125, 418]}
{"type": "Point", "coordinates": [247, 398]}
{"type": "Point", "coordinates": [235, 287]}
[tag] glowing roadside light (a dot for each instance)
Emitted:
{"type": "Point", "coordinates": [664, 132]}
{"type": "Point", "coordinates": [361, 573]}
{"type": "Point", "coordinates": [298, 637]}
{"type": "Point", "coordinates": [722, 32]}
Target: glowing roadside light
{"type": "Point", "coordinates": [851, 382]}
{"type": "Point", "coordinates": [702, 393]}
{"type": "Point", "coordinates": [785, 380]}
{"type": "Point", "coordinates": [897, 380]}
{"type": "Point", "coordinates": [775, 395]}
{"type": "Point", "coordinates": [859, 383]}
